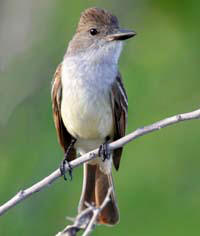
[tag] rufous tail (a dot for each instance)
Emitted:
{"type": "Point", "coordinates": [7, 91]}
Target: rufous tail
{"type": "Point", "coordinates": [95, 188]}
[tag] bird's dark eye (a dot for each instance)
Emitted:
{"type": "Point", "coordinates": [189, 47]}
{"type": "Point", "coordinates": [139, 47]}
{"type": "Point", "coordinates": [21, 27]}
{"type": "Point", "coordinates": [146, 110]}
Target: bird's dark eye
{"type": "Point", "coordinates": [93, 31]}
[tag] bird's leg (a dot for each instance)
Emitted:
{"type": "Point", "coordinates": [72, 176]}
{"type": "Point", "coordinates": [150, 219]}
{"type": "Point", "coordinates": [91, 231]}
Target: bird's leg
{"type": "Point", "coordinates": [104, 150]}
{"type": "Point", "coordinates": [65, 161]}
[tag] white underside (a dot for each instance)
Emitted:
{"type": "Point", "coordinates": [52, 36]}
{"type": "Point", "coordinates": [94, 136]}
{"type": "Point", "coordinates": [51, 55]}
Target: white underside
{"type": "Point", "coordinates": [86, 107]}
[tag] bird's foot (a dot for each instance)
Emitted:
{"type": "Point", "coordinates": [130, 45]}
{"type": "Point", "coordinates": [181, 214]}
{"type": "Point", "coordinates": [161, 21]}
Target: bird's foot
{"type": "Point", "coordinates": [66, 162]}
{"type": "Point", "coordinates": [104, 150]}
{"type": "Point", "coordinates": [63, 169]}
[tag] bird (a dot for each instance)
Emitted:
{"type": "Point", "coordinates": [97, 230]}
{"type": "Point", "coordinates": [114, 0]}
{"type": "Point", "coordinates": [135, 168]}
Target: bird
{"type": "Point", "coordinates": [90, 104]}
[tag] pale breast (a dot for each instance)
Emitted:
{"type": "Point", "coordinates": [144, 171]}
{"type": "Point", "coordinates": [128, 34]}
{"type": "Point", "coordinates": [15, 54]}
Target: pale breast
{"type": "Point", "coordinates": [86, 108]}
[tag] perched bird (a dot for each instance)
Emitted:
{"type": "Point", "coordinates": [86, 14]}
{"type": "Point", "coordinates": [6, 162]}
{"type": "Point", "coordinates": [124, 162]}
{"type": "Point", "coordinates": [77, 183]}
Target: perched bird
{"type": "Point", "coordinates": [90, 104]}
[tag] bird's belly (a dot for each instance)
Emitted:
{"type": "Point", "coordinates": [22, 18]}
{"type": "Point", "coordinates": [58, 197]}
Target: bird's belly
{"type": "Point", "coordinates": [86, 114]}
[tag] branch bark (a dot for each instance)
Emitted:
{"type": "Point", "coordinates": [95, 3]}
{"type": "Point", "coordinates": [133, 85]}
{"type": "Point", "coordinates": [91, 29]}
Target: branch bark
{"type": "Point", "coordinates": [96, 212]}
{"type": "Point", "coordinates": [86, 220]}
{"type": "Point", "coordinates": [23, 194]}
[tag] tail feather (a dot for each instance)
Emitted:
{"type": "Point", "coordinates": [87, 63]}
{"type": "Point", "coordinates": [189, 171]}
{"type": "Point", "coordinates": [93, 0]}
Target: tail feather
{"type": "Point", "coordinates": [95, 188]}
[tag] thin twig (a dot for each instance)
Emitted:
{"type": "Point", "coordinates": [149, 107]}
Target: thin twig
{"type": "Point", "coordinates": [86, 220]}
{"type": "Point", "coordinates": [80, 222]}
{"type": "Point", "coordinates": [23, 194]}
{"type": "Point", "coordinates": [96, 212]}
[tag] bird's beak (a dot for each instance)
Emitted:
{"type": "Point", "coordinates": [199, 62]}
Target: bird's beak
{"type": "Point", "coordinates": [121, 34]}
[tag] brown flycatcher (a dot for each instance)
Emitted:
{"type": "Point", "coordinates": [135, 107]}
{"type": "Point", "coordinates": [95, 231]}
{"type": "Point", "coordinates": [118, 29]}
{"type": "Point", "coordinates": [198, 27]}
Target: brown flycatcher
{"type": "Point", "coordinates": [90, 104]}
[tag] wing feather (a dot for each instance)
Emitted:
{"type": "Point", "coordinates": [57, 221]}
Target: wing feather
{"type": "Point", "coordinates": [120, 110]}
{"type": "Point", "coordinates": [63, 135]}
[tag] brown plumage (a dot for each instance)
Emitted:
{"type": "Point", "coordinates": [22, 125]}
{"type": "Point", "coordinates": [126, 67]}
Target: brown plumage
{"type": "Point", "coordinates": [120, 111]}
{"type": "Point", "coordinates": [96, 188]}
{"type": "Point", "coordinates": [63, 135]}
{"type": "Point", "coordinates": [96, 17]}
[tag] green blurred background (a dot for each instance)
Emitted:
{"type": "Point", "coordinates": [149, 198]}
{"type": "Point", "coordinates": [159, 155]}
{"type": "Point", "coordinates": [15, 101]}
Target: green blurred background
{"type": "Point", "coordinates": [158, 184]}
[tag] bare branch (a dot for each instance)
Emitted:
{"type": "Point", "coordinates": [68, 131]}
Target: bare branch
{"type": "Point", "coordinates": [23, 194]}
{"type": "Point", "coordinates": [80, 222]}
{"type": "Point", "coordinates": [96, 212]}
{"type": "Point", "coordinates": [86, 220]}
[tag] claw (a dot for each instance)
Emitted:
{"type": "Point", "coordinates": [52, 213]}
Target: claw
{"type": "Point", "coordinates": [62, 169]}
{"type": "Point", "coordinates": [65, 161]}
{"type": "Point", "coordinates": [104, 150]}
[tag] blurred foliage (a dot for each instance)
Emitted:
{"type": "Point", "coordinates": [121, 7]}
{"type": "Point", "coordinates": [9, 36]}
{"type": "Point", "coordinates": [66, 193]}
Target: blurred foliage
{"type": "Point", "coordinates": [158, 184]}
